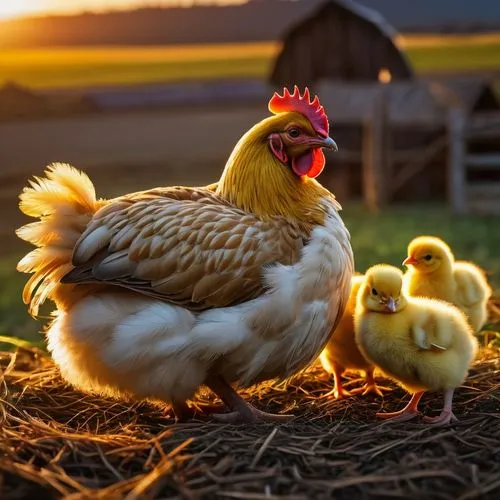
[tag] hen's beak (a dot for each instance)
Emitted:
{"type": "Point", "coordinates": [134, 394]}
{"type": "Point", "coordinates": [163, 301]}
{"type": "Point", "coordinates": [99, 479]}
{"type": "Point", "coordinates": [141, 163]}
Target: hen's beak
{"type": "Point", "coordinates": [321, 142]}
{"type": "Point", "coordinates": [329, 143]}
{"type": "Point", "coordinates": [410, 261]}
{"type": "Point", "coordinates": [391, 305]}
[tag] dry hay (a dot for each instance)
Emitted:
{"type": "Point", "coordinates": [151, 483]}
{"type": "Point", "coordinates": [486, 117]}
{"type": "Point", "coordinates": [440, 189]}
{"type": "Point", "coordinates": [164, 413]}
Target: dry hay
{"type": "Point", "coordinates": [56, 442]}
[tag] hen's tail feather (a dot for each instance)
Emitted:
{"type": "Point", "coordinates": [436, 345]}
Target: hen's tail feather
{"type": "Point", "coordinates": [64, 201]}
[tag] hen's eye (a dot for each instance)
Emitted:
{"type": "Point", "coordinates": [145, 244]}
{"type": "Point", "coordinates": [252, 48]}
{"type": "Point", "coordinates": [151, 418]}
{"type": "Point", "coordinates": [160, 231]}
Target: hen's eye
{"type": "Point", "coordinates": [293, 132]}
{"type": "Point", "coordinates": [428, 257]}
{"type": "Point", "coordinates": [374, 291]}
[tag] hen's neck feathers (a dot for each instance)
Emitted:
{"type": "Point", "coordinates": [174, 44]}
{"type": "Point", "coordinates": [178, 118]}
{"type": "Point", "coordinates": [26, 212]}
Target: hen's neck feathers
{"type": "Point", "coordinates": [256, 181]}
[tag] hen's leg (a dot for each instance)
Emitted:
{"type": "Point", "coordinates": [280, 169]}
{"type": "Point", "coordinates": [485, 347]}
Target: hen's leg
{"type": "Point", "coordinates": [446, 416]}
{"type": "Point", "coordinates": [370, 386]}
{"type": "Point", "coordinates": [241, 410]}
{"type": "Point", "coordinates": [182, 411]}
{"type": "Point", "coordinates": [338, 391]}
{"type": "Point", "coordinates": [407, 413]}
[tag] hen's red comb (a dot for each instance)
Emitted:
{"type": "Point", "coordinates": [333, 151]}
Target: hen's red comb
{"type": "Point", "coordinates": [313, 111]}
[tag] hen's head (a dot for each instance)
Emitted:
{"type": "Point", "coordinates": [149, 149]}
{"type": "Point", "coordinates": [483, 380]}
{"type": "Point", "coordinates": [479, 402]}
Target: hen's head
{"type": "Point", "coordinates": [298, 132]}
{"type": "Point", "coordinates": [272, 168]}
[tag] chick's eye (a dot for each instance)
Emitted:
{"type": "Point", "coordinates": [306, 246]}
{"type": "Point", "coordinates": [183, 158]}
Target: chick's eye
{"type": "Point", "coordinates": [428, 257]}
{"type": "Point", "coordinates": [293, 132]}
{"type": "Point", "coordinates": [374, 291]}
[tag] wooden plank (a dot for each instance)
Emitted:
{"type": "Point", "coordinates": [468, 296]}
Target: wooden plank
{"type": "Point", "coordinates": [484, 190]}
{"type": "Point", "coordinates": [483, 161]}
{"type": "Point", "coordinates": [456, 161]}
{"type": "Point", "coordinates": [416, 162]}
{"type": "Point", "coordinates": [374, 130]}
{"type": "Point", "coordinates": [483, 120]}
{"type": "Point", "coordinates": [485, 207]}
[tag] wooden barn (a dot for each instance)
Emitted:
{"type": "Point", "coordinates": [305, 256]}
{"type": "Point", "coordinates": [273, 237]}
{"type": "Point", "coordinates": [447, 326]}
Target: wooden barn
{"type": "Point", "coordinates": [340, 40]}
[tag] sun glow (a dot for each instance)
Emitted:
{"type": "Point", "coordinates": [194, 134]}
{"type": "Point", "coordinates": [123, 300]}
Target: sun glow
{"type": "Point", "coordinates": [16, 8]}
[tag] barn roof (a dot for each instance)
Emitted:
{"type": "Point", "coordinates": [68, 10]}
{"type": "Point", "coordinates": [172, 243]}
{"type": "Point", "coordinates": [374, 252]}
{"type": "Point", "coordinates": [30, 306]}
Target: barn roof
{"type": "Point", "coordinates": [370, 15]}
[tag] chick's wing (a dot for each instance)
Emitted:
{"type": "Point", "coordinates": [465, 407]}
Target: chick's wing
{"type": "Point", "coordinates": [472, 286]}
{"type": "Point", "coordinates": [184, 246]}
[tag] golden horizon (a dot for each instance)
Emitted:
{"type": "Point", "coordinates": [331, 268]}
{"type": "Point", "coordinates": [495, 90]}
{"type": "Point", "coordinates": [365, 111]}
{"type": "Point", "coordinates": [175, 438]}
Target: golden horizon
{"type": "Point", "coordinates": [25, 8]}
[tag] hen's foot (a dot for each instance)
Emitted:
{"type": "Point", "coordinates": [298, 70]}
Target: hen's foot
{"type": "Point", "coordinates": [444, 418]}
{"type": "Point", "coordinates": [182, 412]}
{"type": "Point", "coordinates": [241, 411]}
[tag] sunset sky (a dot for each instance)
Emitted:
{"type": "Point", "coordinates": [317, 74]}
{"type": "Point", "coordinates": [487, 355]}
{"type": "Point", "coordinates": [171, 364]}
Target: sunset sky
{"type": "Point", "coordinates": [16, 8]}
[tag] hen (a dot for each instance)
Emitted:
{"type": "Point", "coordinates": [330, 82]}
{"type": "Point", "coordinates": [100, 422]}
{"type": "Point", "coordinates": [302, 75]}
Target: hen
{"type": "Point", "coordinates": [162, 291]}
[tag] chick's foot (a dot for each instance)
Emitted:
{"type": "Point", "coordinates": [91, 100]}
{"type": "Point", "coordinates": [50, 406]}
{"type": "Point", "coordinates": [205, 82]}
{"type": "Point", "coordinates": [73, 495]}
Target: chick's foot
{"type": "Point", "coordinates": [446, 415]}
{"type": "Point", "coordinates": [338, 393]}
{"type": "Point", "coordinates": [368, 388]}
{"type": "Point", "coordinates": [444, 418]}
{"type": "Point", "coordinates": [242, 412]}
{"type": "Point", "coordinates": [407, 413]}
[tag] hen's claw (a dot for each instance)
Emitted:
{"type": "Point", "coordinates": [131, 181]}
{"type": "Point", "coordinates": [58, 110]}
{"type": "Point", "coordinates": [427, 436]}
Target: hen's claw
{"type": "Point", "coordinates": [241, 410]}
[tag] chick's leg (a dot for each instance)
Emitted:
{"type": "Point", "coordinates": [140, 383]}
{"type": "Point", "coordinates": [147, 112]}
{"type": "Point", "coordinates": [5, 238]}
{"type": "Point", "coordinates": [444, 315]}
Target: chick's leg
{"type": "Point", "coordinates": [446, 416]}
{"type": "Point", "coordinates": [407, 413]}
{"type": "Point", "coordinates": [338, 391]}
{"type": "Point", "coordinates": [241, 410]}
{"type": "Point", "coordinates": [370, 386]}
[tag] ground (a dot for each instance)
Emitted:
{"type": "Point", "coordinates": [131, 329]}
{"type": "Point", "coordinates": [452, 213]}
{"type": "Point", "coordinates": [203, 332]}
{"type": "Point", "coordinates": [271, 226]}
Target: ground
{"type": "Point", "coordinates": [59, 443]}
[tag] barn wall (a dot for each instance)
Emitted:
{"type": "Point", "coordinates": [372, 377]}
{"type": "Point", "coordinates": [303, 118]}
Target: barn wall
{"type": "Point", "coordinates": [335, 43]}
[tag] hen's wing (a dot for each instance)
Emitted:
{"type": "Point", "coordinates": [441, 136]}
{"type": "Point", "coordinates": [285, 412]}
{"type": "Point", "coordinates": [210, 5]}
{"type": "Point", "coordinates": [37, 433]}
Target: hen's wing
{"type": "Point", "coordinates": [186, 246]}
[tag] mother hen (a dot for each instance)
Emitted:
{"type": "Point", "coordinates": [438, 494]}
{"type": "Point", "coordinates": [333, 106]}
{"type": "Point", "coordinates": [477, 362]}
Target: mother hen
{"type": "Point", "coordinates": [162, 291]}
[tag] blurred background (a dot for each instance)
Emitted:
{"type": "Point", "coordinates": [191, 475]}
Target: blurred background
{"type": "Point", "coordinates": [140, 93]}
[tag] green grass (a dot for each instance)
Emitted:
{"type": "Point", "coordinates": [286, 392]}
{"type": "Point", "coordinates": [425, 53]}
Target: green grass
{"type": "Point", "coordinates": [80, 67]}
{"type": "Point", "coordinates": [459, 57]}
{"type": "Point", "coordinates": [87, 66]}
{"type": "Point", "coordinates": [376, 238]}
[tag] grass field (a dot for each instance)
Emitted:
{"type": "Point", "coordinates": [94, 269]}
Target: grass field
{"type": "Point", "coordinates": [375, 238]}
{"type": "Point", "coordinates": [80, 67]}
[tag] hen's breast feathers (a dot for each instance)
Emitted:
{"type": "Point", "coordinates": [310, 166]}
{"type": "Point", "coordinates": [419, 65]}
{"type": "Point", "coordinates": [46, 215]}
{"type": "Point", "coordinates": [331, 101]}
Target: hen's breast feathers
{"type": "Point", "coordinates": [186, 246]}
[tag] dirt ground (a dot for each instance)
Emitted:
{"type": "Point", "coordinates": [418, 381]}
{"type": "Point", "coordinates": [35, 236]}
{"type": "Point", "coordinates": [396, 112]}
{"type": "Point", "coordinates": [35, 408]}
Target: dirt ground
{"type": "Point", "coordinates": [58, 443]}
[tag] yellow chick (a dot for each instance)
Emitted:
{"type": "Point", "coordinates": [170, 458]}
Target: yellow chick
{"type": "Point", "coordinates": [342, 353]}
{"type": "Point", "coordinates": [423, 344]}
{"type": "Point", "coordinates": [433, 272]}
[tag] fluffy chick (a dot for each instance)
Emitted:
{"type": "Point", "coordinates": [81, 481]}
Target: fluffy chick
{"type": "Point", "coordinates": [342, 353]}
{"type": "Point", "coordinates": [433, 272]}
{"type": "Point", "coordinates": [423, 344]}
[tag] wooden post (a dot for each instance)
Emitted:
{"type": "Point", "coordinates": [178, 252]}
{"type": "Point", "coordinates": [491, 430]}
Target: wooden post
{"type": "Point", "coordinates": [374, 154]}
{"type": "Point", "coordinates": [457, 177]}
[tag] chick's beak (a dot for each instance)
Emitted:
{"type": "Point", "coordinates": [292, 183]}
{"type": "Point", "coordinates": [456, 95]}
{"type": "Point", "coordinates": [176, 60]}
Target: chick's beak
{"type": "Point", "coordinates": [391, 305]}
{"type": "Point", "coordinates": [410, 261]}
